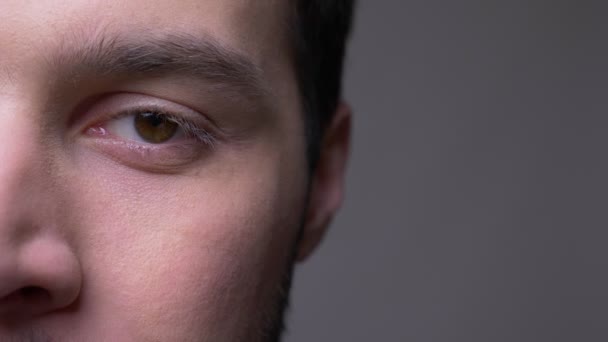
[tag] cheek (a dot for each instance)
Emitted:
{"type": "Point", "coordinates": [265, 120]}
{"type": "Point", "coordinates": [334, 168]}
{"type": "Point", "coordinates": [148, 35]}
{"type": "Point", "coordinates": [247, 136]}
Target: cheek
{"type": "Point", "coordinates": [173, 254]}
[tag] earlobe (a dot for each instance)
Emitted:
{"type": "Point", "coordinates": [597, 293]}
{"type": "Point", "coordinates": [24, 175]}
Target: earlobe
{"type": "Point", "coordinates": [327, 183]}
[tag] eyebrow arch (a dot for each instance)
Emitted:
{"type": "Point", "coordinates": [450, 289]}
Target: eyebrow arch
{"type": "Point", "coordinates": [170, 54]}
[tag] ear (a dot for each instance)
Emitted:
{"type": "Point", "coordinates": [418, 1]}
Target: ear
{"type": "Point", "coordinates": [327, 184]}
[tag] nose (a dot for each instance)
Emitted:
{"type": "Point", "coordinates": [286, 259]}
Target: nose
{"type": "Point", "coordinates": [38, 277]}
{"type": "Point", "coordinates": [39, 271]}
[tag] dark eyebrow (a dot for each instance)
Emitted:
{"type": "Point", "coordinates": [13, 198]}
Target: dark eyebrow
{"type": "Point", "coordinates": [169, 54]}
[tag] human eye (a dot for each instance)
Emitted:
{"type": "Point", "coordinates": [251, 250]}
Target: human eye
{"type": "Point", "coordinates": [151, 137]}
{"type": "Point", "coordinates": [152, 126]}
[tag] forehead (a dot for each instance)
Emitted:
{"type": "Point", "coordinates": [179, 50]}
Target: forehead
{"type": "Point", "coordinates": [255, 27]}
{"type": "Point", "coordinates": [35, 33]}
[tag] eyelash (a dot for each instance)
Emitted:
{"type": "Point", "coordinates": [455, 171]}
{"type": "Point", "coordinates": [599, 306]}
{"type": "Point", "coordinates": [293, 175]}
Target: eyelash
{"type": "Point", "coordinates": [191, 129]}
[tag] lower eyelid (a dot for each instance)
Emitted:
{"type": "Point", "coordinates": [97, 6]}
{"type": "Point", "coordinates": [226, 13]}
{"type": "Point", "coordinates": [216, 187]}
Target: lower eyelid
{"type": "Point", "coordinates": [162, 158]}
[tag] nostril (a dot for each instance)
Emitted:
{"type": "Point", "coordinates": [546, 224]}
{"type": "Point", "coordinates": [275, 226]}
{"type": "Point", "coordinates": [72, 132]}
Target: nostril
{"type": "Point", "coordinates": [25, 299]}
{"type": "Point", "coordinates": [34, 294]}
{"type": "Point", "coordinates": [26, 295]}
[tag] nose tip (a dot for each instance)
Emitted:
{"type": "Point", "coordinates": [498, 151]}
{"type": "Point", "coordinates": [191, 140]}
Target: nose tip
{"type": "Point", "coordinates": [39, 277]}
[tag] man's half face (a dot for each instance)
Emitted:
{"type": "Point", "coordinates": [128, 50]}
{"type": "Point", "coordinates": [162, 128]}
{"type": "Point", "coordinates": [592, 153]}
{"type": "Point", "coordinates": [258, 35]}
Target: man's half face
{"type": "Point", "coordinates": [152, 169]}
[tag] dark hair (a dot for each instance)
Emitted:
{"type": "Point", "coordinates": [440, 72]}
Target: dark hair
{"type": "Point", "coordinates": [321, 30]}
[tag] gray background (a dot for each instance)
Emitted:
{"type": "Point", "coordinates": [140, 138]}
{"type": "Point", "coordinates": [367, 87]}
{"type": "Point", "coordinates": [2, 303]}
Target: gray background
{"type": "Point", "coordinates": [477, 194]}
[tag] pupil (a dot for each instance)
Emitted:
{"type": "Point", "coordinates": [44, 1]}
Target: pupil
{"type": "Point", "coordinates": [154, 128]}
{"type": "Point", "coordinates": [154, 120]}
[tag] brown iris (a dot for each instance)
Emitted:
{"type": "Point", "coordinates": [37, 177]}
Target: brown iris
{"type": "Point", "coordinates": [155, 128]}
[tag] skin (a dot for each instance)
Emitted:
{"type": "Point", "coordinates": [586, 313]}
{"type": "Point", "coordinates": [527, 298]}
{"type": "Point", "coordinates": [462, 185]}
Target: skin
{"type": "Point", "coordinates": [104, 237]}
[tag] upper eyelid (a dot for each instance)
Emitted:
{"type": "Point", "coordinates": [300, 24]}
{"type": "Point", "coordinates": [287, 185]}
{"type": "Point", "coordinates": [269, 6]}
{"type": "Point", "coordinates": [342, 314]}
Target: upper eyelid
{"type": "Point", "coordinates": [154, 109]}
{"type": "Point", "coordinates": [98, 108]}
{"type": "Point", "coordinates": [134, 107]}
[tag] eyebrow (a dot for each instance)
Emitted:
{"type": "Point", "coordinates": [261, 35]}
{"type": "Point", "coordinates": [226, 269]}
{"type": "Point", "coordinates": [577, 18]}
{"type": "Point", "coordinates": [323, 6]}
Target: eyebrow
{"type": "Point", "coordinates": [170, 54]}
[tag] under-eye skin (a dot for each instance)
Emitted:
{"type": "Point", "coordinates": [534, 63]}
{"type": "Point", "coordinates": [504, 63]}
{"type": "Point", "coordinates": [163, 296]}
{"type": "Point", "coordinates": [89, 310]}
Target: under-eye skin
{"type": "Point", "coordinates": [150, 138]}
